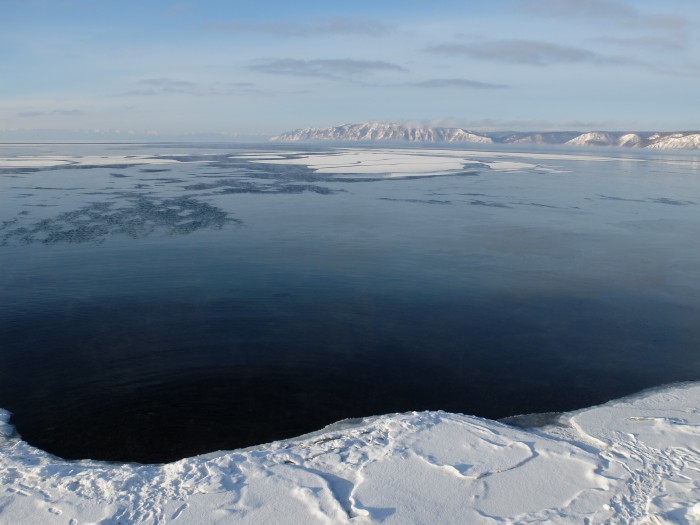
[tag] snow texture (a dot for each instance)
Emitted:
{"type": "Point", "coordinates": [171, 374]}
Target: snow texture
{"type": "Point", "coordinates": [630, 461]}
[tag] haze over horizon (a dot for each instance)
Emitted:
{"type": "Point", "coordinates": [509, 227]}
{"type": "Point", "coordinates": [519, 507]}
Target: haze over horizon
{"type": "Point", "coordinates": [181, 68]}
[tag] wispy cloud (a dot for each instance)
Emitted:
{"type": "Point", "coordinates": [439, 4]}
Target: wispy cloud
{"type": "Point", "coordinates": [331, 68]}
{"type": "Point", "coordinates": [335, 26]}
{"type": "Point", "coordinates": [610, 10]}
{"type": "Point", "coordinates": [169, 85]}
{"type": "Point", "coordinates": [537, 124]}
{"type": "Point", "coordinates": [55, 112]}
{"type": "Point", "coordinates": [693, 68]}
{"type": "Point", "coordinates": [533, 52]}
{"type": "Point", "coordinates": [454, 83]}
{"type": "Point", "coordinates": [592, 8]}
{"type": "Point", "coordinates": [648, 41]}
{"type": "Point", "coordinates": [165, 86]}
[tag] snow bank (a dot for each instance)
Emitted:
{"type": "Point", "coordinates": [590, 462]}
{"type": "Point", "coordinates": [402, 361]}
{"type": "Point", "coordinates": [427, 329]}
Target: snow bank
{"type": "Point", "coordinates": [630, 461]}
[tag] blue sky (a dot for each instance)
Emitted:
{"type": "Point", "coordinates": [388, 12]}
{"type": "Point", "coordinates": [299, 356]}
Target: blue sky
{"type": "Point", "coordinates": [258, 68]}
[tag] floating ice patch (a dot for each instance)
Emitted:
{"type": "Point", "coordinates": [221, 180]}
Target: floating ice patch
{"type": "Point", "coordinates": [93, 160]}
{"type": "Point", "coordinates": [260, 156]}
{"type": "Point", "coordinates": [504, 165]}
{"type": "Point", "coordinates": [393, 163]}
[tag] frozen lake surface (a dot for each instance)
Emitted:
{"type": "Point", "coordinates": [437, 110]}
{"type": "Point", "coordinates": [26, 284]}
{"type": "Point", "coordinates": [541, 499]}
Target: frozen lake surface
{"type": "Point", "coordinates": [161, 301]}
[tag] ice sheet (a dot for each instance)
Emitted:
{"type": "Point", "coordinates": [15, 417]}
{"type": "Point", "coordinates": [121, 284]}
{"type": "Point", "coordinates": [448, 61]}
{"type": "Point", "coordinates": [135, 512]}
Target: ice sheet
{"type": "Point", "coordinates": [631, 461]}
{"type": "Point", "coordinates": [50, 161]}
{"type": "Point", "coordinates": [394, 163]}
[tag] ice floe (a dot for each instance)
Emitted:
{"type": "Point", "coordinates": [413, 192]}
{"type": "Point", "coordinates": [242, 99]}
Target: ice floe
{"type": "Point", "coordinates": [635, 460]}
{"type": "Point", "coordinates": [91, 160]}
{"type": "Point", "coordinates": [416, 162]}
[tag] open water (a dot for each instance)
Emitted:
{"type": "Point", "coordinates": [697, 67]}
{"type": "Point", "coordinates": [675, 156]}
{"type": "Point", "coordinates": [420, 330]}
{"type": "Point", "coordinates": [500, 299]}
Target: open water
{"type": "Point", "coordinates": [155, 311]}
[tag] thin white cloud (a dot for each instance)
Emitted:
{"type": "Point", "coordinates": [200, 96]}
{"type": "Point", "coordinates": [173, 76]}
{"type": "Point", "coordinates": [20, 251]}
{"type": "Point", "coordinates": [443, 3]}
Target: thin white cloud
{"type": "Point", "coordinates": [693, 68]}
{"type": "Point", "coordinates": [329, 68]}
{"type": "Point", "coordinates": [54, 112]}
{"type": "Point", "coordinates": [649, 41]}
{"type": "Point", "coordinates": [537, 125]}
{"type": "Point", "coordinates": [454, 83]}
{"type": "Point", "coordinates": [532, 52]}
{"type": "Point", "coordinates": [170, 85]}
{"type": "Point", "coordinates": [606, 10]}
{"type": "Point", "coordinates": [165, 86]}
{"type": "Point", "coordinates": [331, 27]}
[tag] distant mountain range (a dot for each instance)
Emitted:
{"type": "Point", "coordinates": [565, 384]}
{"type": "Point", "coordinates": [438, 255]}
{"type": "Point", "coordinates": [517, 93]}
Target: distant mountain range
{"type": "Point", "coordinates": [382, 132]}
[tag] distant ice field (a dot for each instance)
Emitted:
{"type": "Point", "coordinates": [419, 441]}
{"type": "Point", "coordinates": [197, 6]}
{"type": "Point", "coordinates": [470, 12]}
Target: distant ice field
{"type": "Point", "coordinates": [161, 301]}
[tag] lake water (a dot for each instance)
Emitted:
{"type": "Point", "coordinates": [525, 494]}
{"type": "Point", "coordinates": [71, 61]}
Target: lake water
{"type": "Point", "coordinates": [152, 311]}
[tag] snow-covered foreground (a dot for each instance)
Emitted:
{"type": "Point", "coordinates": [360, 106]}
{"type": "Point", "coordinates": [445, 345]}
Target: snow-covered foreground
{"type": "Point", "coordinates": [630, 461]}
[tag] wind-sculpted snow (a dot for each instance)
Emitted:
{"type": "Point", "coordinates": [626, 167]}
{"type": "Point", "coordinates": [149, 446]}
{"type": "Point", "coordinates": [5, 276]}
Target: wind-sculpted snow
{"type": "Point", "coordinates": [629, 461]}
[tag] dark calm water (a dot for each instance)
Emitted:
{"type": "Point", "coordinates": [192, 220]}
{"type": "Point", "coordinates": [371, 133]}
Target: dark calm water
{"type": "Point", "coordinates": [152, 312]}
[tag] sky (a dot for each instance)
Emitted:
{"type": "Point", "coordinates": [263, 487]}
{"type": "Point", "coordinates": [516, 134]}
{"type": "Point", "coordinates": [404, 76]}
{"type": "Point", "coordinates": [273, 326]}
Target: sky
{"type": "Point", "coordinates": [247, 69]}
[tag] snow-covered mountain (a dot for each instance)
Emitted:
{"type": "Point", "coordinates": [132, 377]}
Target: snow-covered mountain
{"type": "Point", "coordinates": [593, 138]}
{"type": "Point", "coordinates": [687, 140]}
{"type": "Point", "coordinates": [676, 141]}
{"type": "Point", "coordinates": [371, 132]}
{"type": "Point", "coordinates": [630, 140]}
{"type": "Point", "coordinates": [387, 132]}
